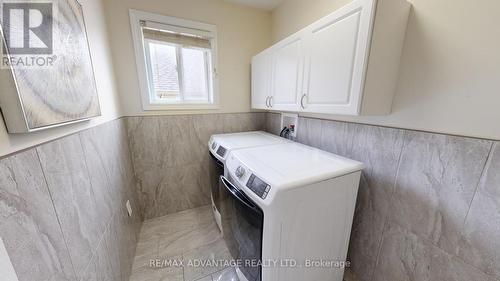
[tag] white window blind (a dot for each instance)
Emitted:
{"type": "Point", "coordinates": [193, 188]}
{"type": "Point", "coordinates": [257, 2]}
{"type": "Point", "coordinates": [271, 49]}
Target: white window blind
{"type": "Point", "coordinates": [178, 56]}
{"type": "Point", "coordinates": [176, 38]}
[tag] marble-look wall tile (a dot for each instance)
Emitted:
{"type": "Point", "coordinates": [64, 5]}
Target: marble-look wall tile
{"type": "Point", "coordinates": [406, 256]}
{"type": "Point", "coordinates": [205, 126]}
{"type": "Point", "coordinates": [63, 207]}
{"type": "Point", "coordinates": [420, 214]}
{"type": "Point", "coordinates": [309, 131]}
{"type": "Point", "coordinates": [122, 174]}
{"type": "Point", "coordinates": [273, 123]}
{"type": "Point", "coordinates": [145, 141]}
{"type": "Point", "coordinates": [170, 157]}
{"type": "Point", "coordinates": [127, 244]}
{"type": "Point", "coordinates": [436, 182]}
{"type": "Point", "coordinates": [65, 169]}
{"type": "Point", "coordinates": [243, 122]}
{"type": "Point", "coordinates": [96, 161]}
{"type": "Point", "coordinates": [379, 149]}
{"type": "Point", "coordinates": [180, 144]}
{"type": "Point", "coordinates": [29, 226]}
{"type": "Point", "coordinates": [111, 172]}
{"type": "Point", "coordinates": [335, 137]}
{"type": "Point", "coordinates": [108, 145]}
{"type": "Point", "coordinates": [480, 244]}
{"type": "Point", "coordinates": [159, 145]}
{"type": "Point", "coordinates": [181, 188]}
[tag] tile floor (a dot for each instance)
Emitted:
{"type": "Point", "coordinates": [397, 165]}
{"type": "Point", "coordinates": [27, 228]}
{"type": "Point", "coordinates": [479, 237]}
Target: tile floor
{"type": "Point", "coordinates": [190, 235]}
{"type": "Point", "coordinates": [170, 246]}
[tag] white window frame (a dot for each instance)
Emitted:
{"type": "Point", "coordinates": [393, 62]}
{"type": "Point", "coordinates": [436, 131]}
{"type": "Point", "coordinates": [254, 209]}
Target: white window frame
{"type": "Point", "coordinates": [177, 25]}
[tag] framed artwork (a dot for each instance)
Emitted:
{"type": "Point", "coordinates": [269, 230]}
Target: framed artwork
{"type": "Point", "coordinates": [46, 75]}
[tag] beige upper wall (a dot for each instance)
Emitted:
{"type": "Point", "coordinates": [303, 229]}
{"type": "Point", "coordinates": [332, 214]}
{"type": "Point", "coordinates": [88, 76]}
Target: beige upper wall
{"type": "Point", "coordinates": [449, 74]}
{"type": "Point", "coordinates": [105, 80]}
{"type": "Point", "coordinates": [242, 32]}
{"type": "Point", "coordinates": [292, 15]}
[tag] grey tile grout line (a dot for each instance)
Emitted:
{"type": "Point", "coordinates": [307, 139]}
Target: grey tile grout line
{"type": "Point", "coordinates": [124, 117]}
{"type": "Point", "coordinates": [55, 212]}
{"type": "Point", "coordinates": [485, 166]}
{"type": "Point", "coordinates": [107, 224]}
{"type": "Point", "coordinates": [386, 219]}
{"type": "Point", "coordinates": [108, 231]}
{"type": "Point", "coordinates": [114, 212]}
{"type": "Point", "coordinates": [478, 185]}
{"type": "Point", "coordinates": [136, 190]}
{"type": "Point", "coordinates": [108, 180]}
{"type": "Point", "coordinates": [94, 250]}
{"type": "Point", "coordinates": [398, 128]}
{"type": "Point", "coordinates": [127, 129]}
{"type": "Point", "coordinates": [493, 145]}
{"type": "Point", "coordinates": [99, 244]}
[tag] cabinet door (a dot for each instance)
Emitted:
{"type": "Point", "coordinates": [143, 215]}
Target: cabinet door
{"type": "Point", "coordinates": [261, 76]}
{"type": "Point", "coordinates": [287, 74]}
{"type": "Point", "coordinates": [336, 51]}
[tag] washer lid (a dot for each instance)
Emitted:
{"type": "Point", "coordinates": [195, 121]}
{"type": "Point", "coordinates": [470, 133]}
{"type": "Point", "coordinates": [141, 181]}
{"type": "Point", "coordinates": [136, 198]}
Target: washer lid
{"type": "Point", "coordinates": [293, 164]}
{"type": "Point", "coordinates": [246, 139]}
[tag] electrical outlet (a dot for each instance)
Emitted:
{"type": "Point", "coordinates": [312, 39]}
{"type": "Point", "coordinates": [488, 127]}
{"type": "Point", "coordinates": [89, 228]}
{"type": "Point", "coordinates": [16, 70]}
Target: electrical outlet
{"type": "Point", "coordinates": [129, 208]}
{"type": "Point", "coordinates": [290, 121]}
{"type": "Point", "coordinates": [6, 269]}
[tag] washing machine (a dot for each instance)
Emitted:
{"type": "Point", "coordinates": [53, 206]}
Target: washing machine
{"type": "Point", "coordinates": [219, 147]}
{"type": "Point", "coordinates": [288, 212]}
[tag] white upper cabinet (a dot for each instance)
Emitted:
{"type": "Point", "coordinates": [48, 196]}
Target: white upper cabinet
{"type": "Point", "coordinates": [286, 77]}
{"type": "Point", "coordinates": [345, 63]}
{"type": "Point", "coordinates": [261, 77]}
{"type": "Point", "coordinates": [335, 61]}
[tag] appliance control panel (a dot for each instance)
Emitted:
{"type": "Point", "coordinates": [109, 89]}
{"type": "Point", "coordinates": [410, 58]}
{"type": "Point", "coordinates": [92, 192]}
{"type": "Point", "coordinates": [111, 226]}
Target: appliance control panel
{"type": "Point", "coordinates": [221, 151]}
{"type": "Point", "coordinates": [240, 172]}
{"type": "Point", "coordinates": [258, 186]}
{"type": "Point", "coordinates": [246, 179]}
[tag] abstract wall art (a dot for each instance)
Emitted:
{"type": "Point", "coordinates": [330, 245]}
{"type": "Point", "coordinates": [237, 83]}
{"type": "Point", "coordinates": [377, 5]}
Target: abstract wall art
{"type": "Point", "coordinates": [46, 73]}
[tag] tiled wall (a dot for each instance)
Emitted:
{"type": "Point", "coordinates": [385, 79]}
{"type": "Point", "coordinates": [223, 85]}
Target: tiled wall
{"type": "Point", "coordinates": [428, 206]}
{"type": "Point", "coordinates": [170, 156]}
{"type": "Point", "coordinates": [62, 207]}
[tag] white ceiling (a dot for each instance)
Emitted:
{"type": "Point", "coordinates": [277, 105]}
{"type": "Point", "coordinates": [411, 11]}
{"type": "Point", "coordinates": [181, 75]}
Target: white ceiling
{"type": "Point", "coordinates": [261, 4]}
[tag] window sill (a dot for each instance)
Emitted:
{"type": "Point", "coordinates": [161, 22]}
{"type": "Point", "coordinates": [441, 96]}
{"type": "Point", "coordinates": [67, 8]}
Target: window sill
{"type": "Point", "coordinates": [165, 107]}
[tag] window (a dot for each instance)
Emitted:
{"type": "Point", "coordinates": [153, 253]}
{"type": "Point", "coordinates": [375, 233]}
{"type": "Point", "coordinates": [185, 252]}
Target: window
{"type": "Point", "coordinates": [175, 61]}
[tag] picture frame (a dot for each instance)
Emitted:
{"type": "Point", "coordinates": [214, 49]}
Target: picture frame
{"type": "Point", "coordinates": [46, 72]}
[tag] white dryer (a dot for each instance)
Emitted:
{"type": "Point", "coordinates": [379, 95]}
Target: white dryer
{"type": "Point", "coordinates": [219, 147]}
{"type": "Point", "coordinates": [289, 212]}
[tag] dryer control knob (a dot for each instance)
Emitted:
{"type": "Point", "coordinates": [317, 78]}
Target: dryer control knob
{"type": "Point", "coordinates": [240, 171]}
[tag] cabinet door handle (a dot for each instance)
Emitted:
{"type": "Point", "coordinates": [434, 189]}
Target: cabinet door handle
{"type": "Point", "coordinates": [271, 101]}
{"type": "Point", "coordinates": [302, 101]}
{"type": "Point", "coordinates": [267, 101]}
